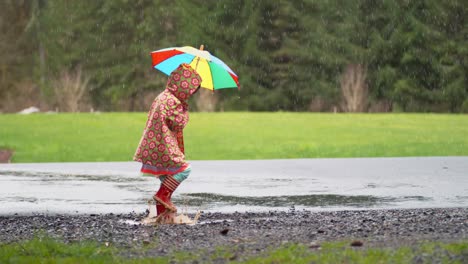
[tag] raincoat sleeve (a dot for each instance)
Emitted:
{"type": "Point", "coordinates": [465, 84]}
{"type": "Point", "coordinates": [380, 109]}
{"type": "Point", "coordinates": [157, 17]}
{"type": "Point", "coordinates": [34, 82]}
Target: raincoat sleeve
{"type": "Point", "coordinates": [176, 118]}
{"type": "Point", "coordinates": [180, 141]}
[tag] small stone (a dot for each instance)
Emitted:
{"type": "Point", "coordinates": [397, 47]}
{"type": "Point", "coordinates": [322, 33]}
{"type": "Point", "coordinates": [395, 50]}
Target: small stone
{"type": "Point", "coordinates": [357, 243]}
{"type": "Point", "coordinates": [224, 231]}
{"type": "Point", "coordinates": [314, 245]}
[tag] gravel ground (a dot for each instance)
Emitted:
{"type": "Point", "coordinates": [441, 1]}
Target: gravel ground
{"type": "Point", "coordinates": [248, 233]}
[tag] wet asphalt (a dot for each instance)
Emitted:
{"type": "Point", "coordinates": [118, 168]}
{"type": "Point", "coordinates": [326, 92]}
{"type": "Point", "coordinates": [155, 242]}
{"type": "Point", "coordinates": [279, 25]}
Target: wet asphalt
{"type": "Point", "coordinates": [243, 186]}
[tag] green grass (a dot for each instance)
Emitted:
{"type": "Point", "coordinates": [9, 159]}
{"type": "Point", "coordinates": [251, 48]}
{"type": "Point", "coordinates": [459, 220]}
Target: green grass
{"type": "Point", "coordinates": [339, 252]}
{"type": "Point", "coordinates": [47, 250]}
{"type": "Point", "coordinates": [211, 136]}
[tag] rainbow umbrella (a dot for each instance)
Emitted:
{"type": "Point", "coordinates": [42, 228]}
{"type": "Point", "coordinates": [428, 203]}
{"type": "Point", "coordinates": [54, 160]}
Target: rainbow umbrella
{"type": "Point", "coordinates": [215, 73]}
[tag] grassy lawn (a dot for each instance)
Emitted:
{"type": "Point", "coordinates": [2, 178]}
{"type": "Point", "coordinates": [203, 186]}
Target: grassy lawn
{"type": "Point", "coordinates": [47, 250]}
{"type": "Point", "coordinates": [211, 136]}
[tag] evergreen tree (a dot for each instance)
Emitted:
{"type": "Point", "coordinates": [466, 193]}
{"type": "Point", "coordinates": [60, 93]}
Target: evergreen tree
{"type": "Point", "coordinates": [111, 40]}
{"type": "Point", "coordinates": [290, 55]}
{"type": "Point", "coordinates": [16, 49]}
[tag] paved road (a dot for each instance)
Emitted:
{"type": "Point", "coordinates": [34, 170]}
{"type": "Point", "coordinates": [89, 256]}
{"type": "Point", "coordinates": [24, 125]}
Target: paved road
{"type": "Point", "coordinates": [248, 185]}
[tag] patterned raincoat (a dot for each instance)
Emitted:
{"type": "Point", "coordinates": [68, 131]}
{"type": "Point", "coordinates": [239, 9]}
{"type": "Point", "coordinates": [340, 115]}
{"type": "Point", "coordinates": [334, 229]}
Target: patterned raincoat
{"type": "Point", "coordinates": [161, 148]}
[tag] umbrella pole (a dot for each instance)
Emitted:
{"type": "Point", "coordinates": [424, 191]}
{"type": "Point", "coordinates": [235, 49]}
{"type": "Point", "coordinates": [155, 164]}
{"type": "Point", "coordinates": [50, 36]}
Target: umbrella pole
{"type": "Point", "coordinates": [198, 58]}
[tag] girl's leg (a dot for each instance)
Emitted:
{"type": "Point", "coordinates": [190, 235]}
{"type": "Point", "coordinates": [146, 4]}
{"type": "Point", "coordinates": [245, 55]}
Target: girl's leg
{"type": "Point", "coordinates": [169, 184]}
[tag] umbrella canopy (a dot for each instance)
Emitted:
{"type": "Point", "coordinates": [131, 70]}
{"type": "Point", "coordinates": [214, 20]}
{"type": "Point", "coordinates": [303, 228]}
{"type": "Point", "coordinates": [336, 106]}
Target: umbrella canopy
{"type": "Point", "coordinates": [215, 73]}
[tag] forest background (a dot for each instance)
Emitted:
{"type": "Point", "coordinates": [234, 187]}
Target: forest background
{"type": "Point", "coordinates": [320, 55]}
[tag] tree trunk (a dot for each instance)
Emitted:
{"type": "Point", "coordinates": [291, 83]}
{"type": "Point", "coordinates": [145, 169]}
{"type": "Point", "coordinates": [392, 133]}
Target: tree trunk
{"type": "Point", "coordinates": [354, 88]}
{"type": "Point", "coordinates": [206, 100]}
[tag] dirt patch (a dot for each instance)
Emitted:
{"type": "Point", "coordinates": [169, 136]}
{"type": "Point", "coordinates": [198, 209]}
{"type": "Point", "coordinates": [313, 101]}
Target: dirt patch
{"type": "Point", "coordinates": [5, 155]}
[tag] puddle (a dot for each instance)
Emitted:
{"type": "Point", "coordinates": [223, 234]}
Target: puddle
{"type": "Point", "coordinates": [131, 222]}
{"type": "Point", "coordinates": [315, 200]}
{"type": "Point", "coordinates": [230, 186]}
{"type": "Point", "coordinates": [215, 221]}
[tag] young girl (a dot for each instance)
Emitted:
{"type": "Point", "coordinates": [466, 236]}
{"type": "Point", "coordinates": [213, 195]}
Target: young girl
{"type": "Point", "coordinates": [161, 148]}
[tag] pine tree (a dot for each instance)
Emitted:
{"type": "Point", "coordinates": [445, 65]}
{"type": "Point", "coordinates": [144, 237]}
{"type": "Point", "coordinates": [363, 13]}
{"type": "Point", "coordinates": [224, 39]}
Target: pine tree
{"type": "Point", "coordinates": [290, 55]}
{"type": "Point", "coordinates": [17, 48]}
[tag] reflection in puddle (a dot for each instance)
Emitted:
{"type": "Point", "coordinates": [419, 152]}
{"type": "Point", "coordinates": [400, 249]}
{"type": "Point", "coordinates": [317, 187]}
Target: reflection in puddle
{"type": "Point", "coordinates": [47, 177]}
{"type": "Point", "coordinates": [19, 199]}
{"type": "Point", "coordinates": [199, 199]}
{"type": "Point", "coordinates": [416, 198]}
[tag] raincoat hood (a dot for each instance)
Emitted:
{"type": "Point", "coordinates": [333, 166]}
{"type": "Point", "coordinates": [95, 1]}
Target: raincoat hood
{"type": "Point", "coordinates": [183, 82]}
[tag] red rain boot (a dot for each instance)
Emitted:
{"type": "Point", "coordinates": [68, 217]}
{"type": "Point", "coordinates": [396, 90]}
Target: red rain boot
{"type": "Point", "coordinates": [163, 196]}
{"type": "Point", "coordinates": [160, 209]}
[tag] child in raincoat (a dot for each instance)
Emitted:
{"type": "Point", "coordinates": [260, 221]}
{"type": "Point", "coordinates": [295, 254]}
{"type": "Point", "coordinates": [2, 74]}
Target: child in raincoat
{"type": "Point", "coordinates": [161, 148]}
